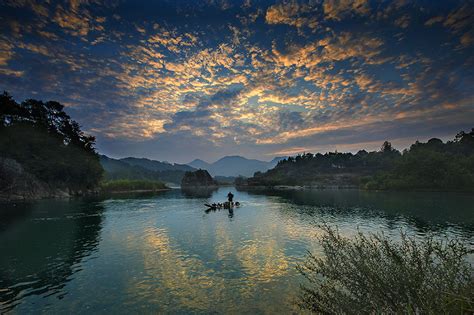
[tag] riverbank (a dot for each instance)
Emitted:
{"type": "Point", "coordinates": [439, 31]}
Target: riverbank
{"type": "Point", "coordinates": [17, 184]}
{"type": "Point", "coordinates": [37, 193]}
{"type": "Point", "coordinates": [22, 186]}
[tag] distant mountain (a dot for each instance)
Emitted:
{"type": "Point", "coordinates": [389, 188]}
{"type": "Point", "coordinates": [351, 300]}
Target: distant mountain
{"type": "Point", "coordinates": [235, 166]}
{"type": "Point", "coordinates": [134, 168]}
{"type": "Point", "coordinates": [199, 164]}
{"type": "Point", "coordinates": [142, 168]}
{"type": "Point", "coordinates": [113, 165]}
{"type": "Point", "coordinates": [158, 166]}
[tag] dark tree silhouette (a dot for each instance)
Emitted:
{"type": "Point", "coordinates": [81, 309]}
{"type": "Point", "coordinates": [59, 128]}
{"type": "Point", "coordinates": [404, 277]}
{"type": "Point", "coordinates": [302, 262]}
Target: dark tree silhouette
{"type": "Point", "coordinates": [433, 166]}
{"type": "Point", "coordinates": [44, 139]}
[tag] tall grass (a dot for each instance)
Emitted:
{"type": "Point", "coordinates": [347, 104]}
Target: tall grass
{"type": "Point", "coordinates": [375, 274]}
{"type": "Point", "coordinates": [124, 185]}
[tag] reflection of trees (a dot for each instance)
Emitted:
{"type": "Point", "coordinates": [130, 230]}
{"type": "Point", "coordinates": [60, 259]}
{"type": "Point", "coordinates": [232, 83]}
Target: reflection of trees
{"type": "Point", "coordinates": [39, 250]}
{"type": "Point", "coordinates": [425, 211]}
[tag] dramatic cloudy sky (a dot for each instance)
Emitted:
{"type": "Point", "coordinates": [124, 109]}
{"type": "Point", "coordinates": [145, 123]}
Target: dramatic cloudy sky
{"type": "Point", "coordinates": [178, 80]}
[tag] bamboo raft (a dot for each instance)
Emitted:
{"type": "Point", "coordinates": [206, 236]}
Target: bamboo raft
{"type": "Point", "coordinates": [224, 205]}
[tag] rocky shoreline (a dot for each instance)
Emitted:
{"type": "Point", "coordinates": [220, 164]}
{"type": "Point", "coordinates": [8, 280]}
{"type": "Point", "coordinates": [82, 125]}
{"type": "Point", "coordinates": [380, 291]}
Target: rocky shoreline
{"type": "Point", "coordinates": [16, 184]}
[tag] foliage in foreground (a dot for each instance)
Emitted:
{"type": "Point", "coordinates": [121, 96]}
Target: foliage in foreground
{"type": "Point", "coordinates": [124, 185]}
{"type": "Point", "coordinates": [374, 274]}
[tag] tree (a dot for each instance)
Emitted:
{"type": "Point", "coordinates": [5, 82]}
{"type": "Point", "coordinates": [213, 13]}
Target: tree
{"type": "Point", "coordinates": [387, 147]}
{"type": "Point", "coordinates": [8, 109]}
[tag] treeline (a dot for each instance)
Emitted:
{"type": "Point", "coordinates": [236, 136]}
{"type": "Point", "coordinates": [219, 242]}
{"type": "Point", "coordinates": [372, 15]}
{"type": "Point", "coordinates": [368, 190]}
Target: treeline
{"type": "Point", "coordinates": [432, 166]}
{"type": "Point", "coordinates": [48, 144]}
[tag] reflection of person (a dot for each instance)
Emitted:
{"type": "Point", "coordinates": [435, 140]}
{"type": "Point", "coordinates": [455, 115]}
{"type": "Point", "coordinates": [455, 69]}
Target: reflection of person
{"type": "Point", "coordinates": [230, 197]}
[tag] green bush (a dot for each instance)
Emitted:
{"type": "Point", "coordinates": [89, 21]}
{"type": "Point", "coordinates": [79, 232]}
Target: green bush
{"type": "Point", "coordinates": [124, 185]}
{"type": "Point", "coordinates": [374, 274]}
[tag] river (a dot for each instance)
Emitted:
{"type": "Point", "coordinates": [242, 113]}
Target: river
{"type": "Point", "coordinates": [163, 253]}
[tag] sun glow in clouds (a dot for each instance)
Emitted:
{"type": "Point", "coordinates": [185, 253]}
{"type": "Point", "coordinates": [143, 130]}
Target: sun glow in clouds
{"type": "Point", "coordinates": [244, 76]}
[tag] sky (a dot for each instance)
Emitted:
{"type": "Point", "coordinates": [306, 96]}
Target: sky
{"type": "Point", "coordinates": [179, 80]}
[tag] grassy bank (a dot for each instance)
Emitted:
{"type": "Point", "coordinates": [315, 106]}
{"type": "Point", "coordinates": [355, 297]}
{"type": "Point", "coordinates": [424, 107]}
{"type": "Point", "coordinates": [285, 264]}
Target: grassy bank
{"type": "Point", "coordinates": [126, 185]}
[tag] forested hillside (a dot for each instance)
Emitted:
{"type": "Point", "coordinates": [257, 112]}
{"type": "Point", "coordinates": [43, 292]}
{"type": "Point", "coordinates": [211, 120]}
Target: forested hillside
{"type": "Point", "coordinates": [142, 169]}
{"type": "Point", "coordinates": [433, 165]}
{"type": "Point", "coordinates": [48, 145]}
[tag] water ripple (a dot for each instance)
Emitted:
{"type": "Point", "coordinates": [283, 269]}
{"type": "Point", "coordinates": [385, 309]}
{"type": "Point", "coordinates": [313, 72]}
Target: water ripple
{"type": "Point", "coordinates": [165, 254]}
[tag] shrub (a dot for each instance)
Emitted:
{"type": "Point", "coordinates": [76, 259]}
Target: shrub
{"type": "Point", "coordinates": [123, 185]}
{"type": "Point", "coordinates": [374, 274]}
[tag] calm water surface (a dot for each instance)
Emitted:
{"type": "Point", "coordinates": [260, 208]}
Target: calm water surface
{"type": "Point", "coordinates": [164, 253]}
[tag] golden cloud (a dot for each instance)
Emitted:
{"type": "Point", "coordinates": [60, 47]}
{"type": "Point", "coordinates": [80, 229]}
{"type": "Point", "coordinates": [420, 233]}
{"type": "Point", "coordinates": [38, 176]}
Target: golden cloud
{"type": "Point", "coordinates": [337, 9]}
{"type": "Point", "coordinates": [290, 13]}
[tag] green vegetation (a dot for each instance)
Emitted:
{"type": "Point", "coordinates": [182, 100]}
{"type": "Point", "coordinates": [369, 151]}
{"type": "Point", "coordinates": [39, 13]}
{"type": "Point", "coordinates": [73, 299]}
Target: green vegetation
{"type": "Point", "coordinates": [122, 169]}
{"type": "Point", "coordinates": [124, 185]}
{"type": "Point", "coordinates": [425, 166]}
{"type": "Point", "coordinates": [374, 274]}
{"type": "Point", "coordinates": [432, 165]}
{"type": "Point", "coordinates": [48, 144]}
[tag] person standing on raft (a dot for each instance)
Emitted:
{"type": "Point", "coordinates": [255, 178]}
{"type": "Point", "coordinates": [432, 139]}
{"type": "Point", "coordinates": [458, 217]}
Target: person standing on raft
{"type": "Point", "coordinates": [230, 197]}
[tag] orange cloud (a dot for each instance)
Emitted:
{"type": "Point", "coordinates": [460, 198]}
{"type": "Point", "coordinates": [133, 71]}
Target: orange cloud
{"type": "Point", "coordinates": [337, 9]}
{"type": "Point", "coordinates": [290, 13]}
